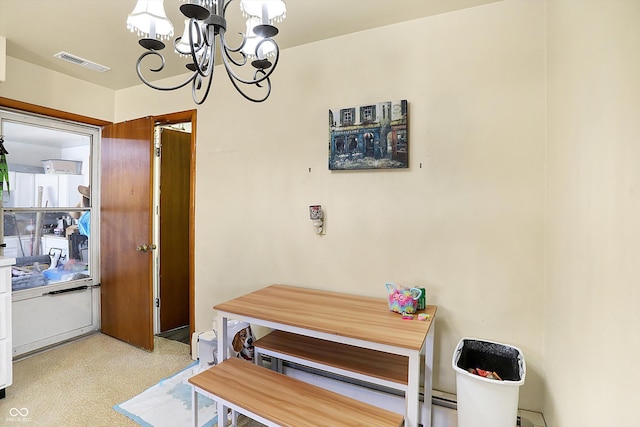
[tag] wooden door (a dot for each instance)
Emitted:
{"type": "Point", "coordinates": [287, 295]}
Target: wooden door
{"type": "Point", "coordinates": [175, 167]}
{"type": "Point", "coordinates": [125, 221]}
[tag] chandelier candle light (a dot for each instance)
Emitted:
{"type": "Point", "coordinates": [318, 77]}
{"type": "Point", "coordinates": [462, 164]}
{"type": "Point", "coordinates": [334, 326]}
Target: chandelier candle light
{"type": "Point", "coordinates": [204, 35]}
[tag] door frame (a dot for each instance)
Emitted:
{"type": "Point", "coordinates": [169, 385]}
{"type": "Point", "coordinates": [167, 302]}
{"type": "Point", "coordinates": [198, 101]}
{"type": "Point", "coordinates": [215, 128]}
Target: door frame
{"type": "Point", "coordinates": [171, 119]}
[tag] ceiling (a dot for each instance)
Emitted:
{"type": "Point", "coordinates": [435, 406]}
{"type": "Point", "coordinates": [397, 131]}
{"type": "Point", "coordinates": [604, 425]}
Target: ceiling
{"type": "Point", "coordinates": [96, 29]}
{"type": "Point", "coordinates": [36, 135]}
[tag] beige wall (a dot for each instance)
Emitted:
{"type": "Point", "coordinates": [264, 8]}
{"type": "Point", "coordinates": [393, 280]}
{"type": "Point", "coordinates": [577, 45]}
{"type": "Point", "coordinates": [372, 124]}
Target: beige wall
{"type": "Point", "coordinates": [593, 232]}
{"type": "Point", "coordinates": [3, 58]}
{"type": "Point", "coordinates": [140, 101]}
{"type": "Point", "coordinates": [465, 220]}
{"type": "Point", "coordinates": [36, 85]}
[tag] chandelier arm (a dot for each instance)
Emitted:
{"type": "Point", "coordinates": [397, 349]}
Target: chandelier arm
{"type": "Point", "coordinates": [239, 48]}
{"type": "Point", "coordinates": [207, 74]}
{"type": "Point", "coordinates": [234, 81]}
{"type": "Point", "coordinates": [209, 34]}
{"type": "Point", "coordinates": [203, 67]}
{"type": "Point", "coordinates": [157, 70]}
{"type": "Point", "coordinates": [267, 74]}
{"type": "Point", "coordinates": [195, 89]}
{"type": "Point", "coordinates": [277, 54]}
{"type": "Point", "coordinates": [237, 62]}
{"type": "Point", "coordinates": [253, 81]}
{"type": "Point", "coordinates": [194, 27]}
{"type": "Point", "coordinates": [225, 49]}
{"type": "Point", "coordinates": [176, 42]}
{"type": "Point", "coordinates": [224, 8]}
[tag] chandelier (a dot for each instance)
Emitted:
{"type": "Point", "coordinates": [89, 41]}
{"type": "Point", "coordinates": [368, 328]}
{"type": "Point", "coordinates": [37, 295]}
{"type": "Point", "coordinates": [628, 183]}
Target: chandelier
{"type": "Point", "coordinates": [204, 37]}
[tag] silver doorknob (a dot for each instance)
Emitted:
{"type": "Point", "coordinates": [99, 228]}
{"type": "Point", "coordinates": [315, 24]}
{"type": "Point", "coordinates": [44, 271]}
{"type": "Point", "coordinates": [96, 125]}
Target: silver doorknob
{"type": "Point", "coordinates": [145, 248]}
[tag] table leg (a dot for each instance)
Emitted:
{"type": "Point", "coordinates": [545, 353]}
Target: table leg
{"type": "Point", "coordinates": [413, 391]}
{"type": "Point", "coordinates": [194, 406]}
{"type": "Point", "coordinates": [428, 374]}
{"type": "Point", "coordinates": [223, 355]}
{"type": "Point", "coordinates": [222, 339]}
{"type": "Point", "coordinates": [222, 414]}
{"type": "Point", "coordinates": [234, 419]}
{"type": "Point", "coordinates": [257, 357]}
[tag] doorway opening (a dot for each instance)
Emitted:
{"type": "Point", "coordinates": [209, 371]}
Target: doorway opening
{"type": "Point", "coordinates": [171, 229]}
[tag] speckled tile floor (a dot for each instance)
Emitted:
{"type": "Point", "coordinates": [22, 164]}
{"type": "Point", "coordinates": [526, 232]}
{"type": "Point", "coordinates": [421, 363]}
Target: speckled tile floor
{"type": "Point", "coordinates": [78, 384]}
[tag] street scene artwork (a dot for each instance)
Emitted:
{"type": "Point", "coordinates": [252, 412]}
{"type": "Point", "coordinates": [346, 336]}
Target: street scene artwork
{"type": "Point", "coordinates": [371, 136]}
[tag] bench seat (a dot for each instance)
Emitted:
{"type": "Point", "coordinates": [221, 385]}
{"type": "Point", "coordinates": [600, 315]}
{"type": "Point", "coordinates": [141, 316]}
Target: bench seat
{"type": "Point", "coordinates": [385, 369]}
{"type": "Point", "coordinates": [275, 399]}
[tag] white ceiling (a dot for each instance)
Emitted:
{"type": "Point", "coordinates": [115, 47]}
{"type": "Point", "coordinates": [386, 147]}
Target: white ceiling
{"type": "Point", "coordinates": [36, 135]}
{"type": "Point", "coordinates": [96, 29]}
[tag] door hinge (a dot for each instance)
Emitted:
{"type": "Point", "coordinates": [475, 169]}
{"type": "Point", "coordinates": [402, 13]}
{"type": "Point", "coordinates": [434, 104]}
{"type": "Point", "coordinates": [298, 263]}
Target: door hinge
{"type": "Point", "coordinates": [158, 302]}
{"type": "Point", "coordinates": [157, 151]}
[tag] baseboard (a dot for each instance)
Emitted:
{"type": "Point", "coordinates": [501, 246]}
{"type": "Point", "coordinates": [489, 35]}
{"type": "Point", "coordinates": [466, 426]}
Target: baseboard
{"type": "Point", "coordinates": [44, 349]}
{"type": "Point", "coordinates": [444, 399]}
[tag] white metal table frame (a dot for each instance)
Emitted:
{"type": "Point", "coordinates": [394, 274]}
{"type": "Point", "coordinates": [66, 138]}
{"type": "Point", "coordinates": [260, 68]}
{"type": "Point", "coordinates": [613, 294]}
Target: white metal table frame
{"type": "Point", "coordinates": [195, 391]}
{"type": "Point", "coordinates": [412, 396]}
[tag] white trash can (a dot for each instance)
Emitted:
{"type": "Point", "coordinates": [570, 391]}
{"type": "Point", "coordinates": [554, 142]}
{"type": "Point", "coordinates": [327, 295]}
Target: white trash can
{"type": "Point", "coordinates": [482, 401]}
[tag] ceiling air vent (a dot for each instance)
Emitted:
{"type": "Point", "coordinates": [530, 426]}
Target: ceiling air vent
{"type": "Point", "coordinates": [81, 61]}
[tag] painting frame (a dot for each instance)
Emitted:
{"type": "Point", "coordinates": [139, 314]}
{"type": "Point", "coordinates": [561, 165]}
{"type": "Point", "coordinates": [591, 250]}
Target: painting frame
{"type": "Point", "coordinates": [370, 136]}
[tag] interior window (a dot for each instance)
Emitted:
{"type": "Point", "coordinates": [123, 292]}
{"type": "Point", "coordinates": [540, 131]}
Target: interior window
{"type": "Point", "coordinates": [48, 207]}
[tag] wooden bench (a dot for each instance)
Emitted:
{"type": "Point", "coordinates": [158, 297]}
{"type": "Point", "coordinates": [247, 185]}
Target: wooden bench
{"type": "Point", "coordinates": [372, 366]}
{"type": "Point", "coordinates": [275, 399]}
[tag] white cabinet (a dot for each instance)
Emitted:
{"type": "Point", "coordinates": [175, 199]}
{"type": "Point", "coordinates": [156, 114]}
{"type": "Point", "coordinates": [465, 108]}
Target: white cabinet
{"type": "Point", "coordinates": [68, 194]}
{"type": "Point", "coordinates": [6, 370]}
{"type": "Point", "coordinates": [17, 247]}
{"type": "Point", "coordinates": [49, 185]}
{"type": "Point", "coordinates": [22, 190]}
{"type": "Point", "coordinates": [57, 190]}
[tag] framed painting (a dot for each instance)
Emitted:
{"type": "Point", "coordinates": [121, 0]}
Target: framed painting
{"type": "Point", "coordinates": [373, 136]}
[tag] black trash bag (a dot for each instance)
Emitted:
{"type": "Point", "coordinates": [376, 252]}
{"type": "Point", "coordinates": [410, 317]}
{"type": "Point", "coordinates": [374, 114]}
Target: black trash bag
{"type": "Point", "coordinates": [490, 356]}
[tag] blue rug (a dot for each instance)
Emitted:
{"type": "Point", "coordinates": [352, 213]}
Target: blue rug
{"type": "Point", "coordinates": [168, 403]}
